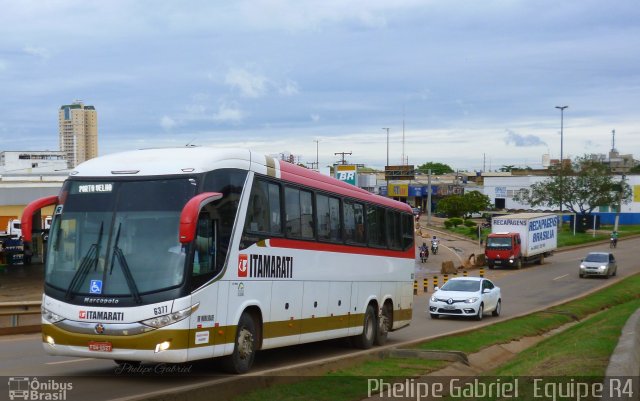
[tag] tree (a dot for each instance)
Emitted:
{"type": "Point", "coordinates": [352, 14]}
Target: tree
{"type": "Point", "coordinates": [635, 169]}
{"type": "Point", "coordinates": [436, 168]}
{"type": "Point", "coordinates": [452, 206]}
{"type": "Point", "coordinates": [580, 187]}
{"type": "Point", "coordinates": [476, 202]}
{"type": "Point", "coordinates": [463, 205]}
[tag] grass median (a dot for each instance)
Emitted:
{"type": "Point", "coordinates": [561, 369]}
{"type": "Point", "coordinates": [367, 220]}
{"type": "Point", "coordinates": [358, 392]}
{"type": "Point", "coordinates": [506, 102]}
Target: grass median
{"type": "Point", "coordinates": [561, 354]}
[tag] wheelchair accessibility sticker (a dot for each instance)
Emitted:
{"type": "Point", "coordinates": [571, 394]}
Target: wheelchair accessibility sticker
{"type": "Point", "coordinates": [95, 287]}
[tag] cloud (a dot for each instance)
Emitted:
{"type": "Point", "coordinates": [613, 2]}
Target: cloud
{"type": "Point", "coordinates": [249, 84]}
{"type": "Point", "coordinates": [37, 51]}
{"type": "Point", "coordinates": [167, 123]}
{"type": "Point", "coordinates": [289, 88]}
{"type": "Point", "coordinates": [523, 140]}
{"type": "Point", "coordinates": [315, 118]}
{"type": "Point", "coordinates": [227, 113]}
{"type": "Point", "coordinates": [255, 85]}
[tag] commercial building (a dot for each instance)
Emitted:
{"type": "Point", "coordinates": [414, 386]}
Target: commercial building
{"type": "Point", "coordinates": [78, 132]}
{"type": "Point", "coordinates": [31, 162]}
{"type": "Point", "coordinates": [501, 191]}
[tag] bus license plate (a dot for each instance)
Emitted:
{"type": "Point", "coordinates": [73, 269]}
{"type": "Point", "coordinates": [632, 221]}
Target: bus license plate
{"type": "Point", "coordinates": [100, 346]}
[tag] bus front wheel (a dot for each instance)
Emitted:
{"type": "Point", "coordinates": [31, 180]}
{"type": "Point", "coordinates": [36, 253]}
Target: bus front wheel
{"type": "Point", "coordinates": [365, 340]}
{"type": "Point", "coordinates": [244, 349]}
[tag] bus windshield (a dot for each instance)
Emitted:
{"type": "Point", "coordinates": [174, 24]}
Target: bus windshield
{"type": "Point", "coordinates": [118, 238]}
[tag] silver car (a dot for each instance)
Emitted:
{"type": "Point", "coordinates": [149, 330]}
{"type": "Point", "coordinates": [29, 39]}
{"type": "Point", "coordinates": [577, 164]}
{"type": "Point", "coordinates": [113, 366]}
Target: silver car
{"type": "Point", "coordinates": [466, 296]}
{"type": "Point", "coordinates": [598, 264]}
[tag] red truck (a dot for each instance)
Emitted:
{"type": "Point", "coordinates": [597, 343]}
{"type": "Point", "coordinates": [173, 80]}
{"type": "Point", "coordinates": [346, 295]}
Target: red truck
{"type": "Point", "coordinates": [521, 238]}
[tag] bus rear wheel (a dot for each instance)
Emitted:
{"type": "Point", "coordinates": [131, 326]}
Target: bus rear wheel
{"type": "Point", "coordinates": [384, 325]}
{"type": "Point", "coordinates": [244, 349]}
{"type": "Point", "coordinates": [365, 340]}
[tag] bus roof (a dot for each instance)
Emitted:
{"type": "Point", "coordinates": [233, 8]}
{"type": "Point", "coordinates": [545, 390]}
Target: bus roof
{"type": "Point", "coordinates": [195, 160]}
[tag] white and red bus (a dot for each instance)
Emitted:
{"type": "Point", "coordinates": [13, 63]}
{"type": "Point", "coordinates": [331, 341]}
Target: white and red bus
{"type": "Point", "coordinates": [171, 255]}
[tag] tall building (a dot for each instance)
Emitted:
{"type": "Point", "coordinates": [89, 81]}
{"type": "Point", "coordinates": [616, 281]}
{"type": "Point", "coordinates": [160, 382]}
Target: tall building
{"type": "Point", "coordinates": [78, 128]}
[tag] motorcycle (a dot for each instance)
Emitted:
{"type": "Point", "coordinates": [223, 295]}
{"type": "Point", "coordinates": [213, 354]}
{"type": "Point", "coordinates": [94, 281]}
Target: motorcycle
{"type": "Point", "coordinates": [434, 248]}
{"type": "Point", "coordinates": [424, 255]}
{"type": "Point", "coordinates": [613, 243]}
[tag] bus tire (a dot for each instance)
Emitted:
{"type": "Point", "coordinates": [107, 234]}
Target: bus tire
{"type": "Point", "coordinates": [384, 325]}
{"type": "Point", "coordinates": [366, 339]}
{"type": "Point", "coordinates": [244, 348]}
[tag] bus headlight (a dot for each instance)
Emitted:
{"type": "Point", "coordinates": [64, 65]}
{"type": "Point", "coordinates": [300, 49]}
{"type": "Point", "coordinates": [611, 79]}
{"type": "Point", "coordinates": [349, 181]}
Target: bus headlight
{"type": "Point", "coordinates": [50, 316]}
{"type": "Point", "coordinates": [171, 318]}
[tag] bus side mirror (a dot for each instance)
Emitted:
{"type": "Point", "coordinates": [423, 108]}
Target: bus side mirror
{"type": "Point", "coordinates": [27, 215]}
{"type": "Point", "coordinates": [190, 212]}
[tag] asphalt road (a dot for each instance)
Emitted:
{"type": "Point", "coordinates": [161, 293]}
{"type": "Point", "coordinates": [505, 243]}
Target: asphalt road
{"type": "Point", "coordinates": [524, 290]}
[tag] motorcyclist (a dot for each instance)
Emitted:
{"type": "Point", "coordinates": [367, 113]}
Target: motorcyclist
{"type": "Point", "coordinates": [424, 252]}
{"type": "Point", "coordinates": [614, 239]}
{"type": "Point", "coordinates": [434, 244]}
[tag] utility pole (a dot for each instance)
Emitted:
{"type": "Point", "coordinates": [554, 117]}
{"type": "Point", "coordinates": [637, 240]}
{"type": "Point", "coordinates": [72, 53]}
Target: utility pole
{"type": "Point", "coordinates": [387, 145]}
{"type": "Point", "coordinates": [428, 197]}
{"type": "Point", "coordinates": [342, 154]}
{"type": "Point", "coordinates": [403, 136]}
{"type": "Point", "coordinates": [561, 108]}
{"type": "Point", "coordinates": [617, 219]}
{"type": "Point", "coordinates": [317, 141]}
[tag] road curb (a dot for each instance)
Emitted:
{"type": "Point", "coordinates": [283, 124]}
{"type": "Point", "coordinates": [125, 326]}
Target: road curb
{"type": "Point", "coordinates": [625, 360]}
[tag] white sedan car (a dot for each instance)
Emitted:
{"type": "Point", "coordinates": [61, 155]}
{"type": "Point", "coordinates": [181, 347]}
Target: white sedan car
{"type": "Point", "coordinates": [466, 296]}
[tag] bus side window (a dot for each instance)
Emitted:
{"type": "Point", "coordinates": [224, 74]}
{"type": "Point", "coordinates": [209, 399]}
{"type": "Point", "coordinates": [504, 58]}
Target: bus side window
{"type": "Point", "coordinates": [263, 214]}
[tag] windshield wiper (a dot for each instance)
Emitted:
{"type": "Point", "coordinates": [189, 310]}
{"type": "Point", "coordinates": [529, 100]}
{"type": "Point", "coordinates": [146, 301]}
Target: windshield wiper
{"type": "Point", "coordinates": [131, 283]}
{"type": "Point", "coordinates": [89, 259]}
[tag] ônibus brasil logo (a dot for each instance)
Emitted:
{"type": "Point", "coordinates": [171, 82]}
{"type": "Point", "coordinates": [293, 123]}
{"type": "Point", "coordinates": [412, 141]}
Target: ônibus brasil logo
{"type": "Point", "coordinates": [26, 388]}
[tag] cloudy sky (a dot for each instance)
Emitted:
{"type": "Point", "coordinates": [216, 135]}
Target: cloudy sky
{"type": "Point", "coordinates": [475, 82]}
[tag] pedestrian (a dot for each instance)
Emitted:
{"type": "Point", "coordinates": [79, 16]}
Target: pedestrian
{"type": "Point", "coordinates": [28, 253]}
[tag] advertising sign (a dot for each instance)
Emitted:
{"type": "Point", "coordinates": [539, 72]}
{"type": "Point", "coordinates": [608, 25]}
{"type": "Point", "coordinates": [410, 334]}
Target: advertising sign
{"type": "Point", "coordinates": [415, 191]}
{"type": "Point", "coordinates": [401, 190]}
{"type": "Point", "coordinates": [347, 173]}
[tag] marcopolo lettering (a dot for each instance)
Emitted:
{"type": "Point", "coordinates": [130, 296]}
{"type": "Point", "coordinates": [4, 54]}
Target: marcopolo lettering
{"type": "Point", "coordinates": [270, 266]}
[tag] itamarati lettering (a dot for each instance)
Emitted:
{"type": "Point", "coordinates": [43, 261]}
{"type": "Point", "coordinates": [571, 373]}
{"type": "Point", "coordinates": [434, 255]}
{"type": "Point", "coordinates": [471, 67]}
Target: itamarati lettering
{"type": "Point", "coordinates": [102, 315]}
{"type": "Point", "coordinates": [270, 266]}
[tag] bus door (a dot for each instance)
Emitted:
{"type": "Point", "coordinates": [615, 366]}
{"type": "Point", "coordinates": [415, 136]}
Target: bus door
{"type": "Point", "coordinates": [205, 265]}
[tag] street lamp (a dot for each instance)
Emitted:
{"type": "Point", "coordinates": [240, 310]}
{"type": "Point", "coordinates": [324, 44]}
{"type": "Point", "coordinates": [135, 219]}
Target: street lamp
{"type": "Point", "coordinates": [561, 108]}
{"type": "Point", "coordinates": [387, 145]}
